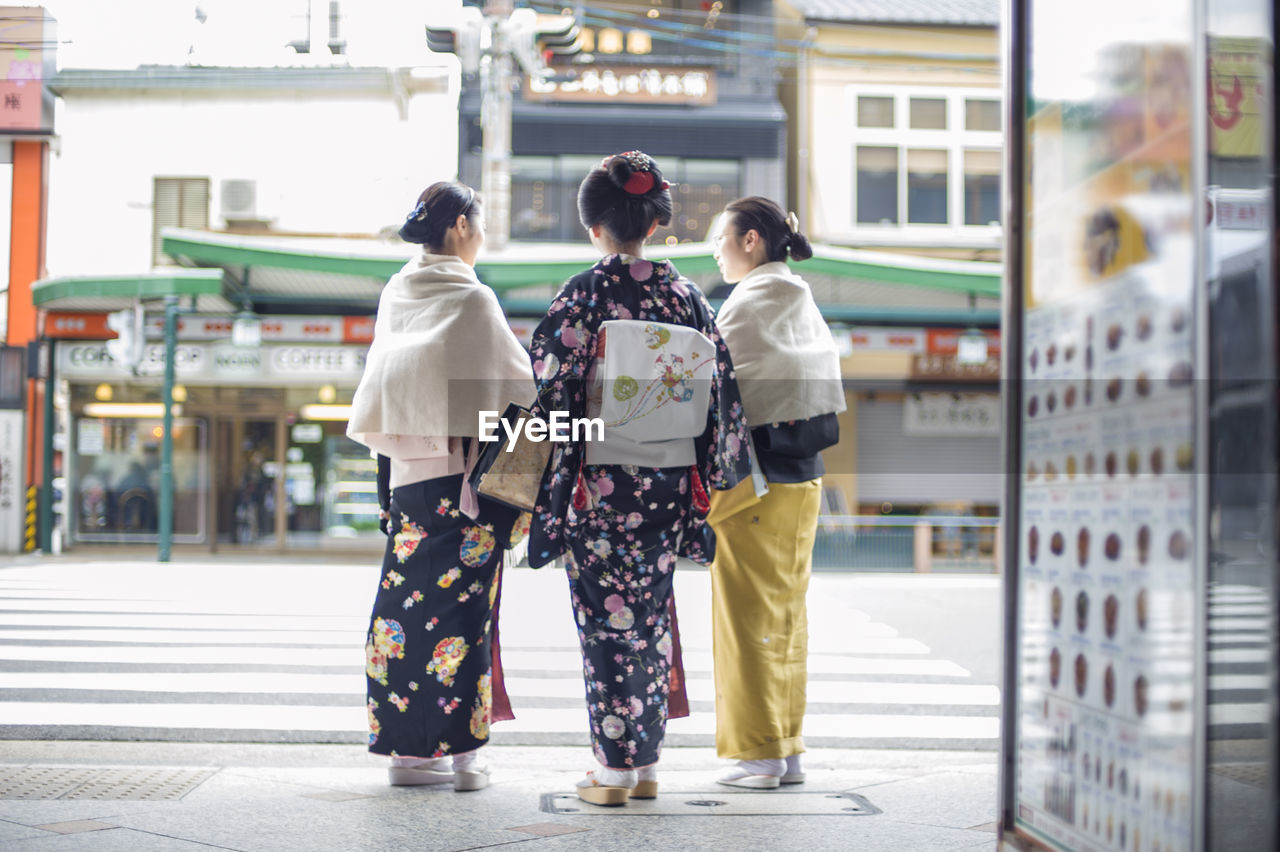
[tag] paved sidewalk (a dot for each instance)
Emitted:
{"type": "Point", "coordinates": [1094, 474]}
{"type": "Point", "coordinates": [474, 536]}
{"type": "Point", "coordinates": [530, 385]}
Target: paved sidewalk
{"type": "Point", "coordinates": [335, 797]}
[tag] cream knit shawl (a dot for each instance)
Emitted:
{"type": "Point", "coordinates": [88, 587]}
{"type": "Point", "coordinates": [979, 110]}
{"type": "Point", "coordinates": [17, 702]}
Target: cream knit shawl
{"type": "Point", "coordinates": [783, 354]}
{"type": "Point", "coordinates": [442, 351]}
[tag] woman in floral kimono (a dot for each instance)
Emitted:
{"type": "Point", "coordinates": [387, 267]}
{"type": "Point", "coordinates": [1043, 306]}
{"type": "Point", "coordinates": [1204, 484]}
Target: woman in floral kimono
{"type": "Point", "coordinates": [623, 507]}
{"type": "Point", "coordinates": [442, 352]}
{"type": "Point", "coordinates": [789, 372]}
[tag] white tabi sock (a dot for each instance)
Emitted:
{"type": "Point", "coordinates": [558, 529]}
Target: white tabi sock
{"type": "Point", "coordinates": [775, 767]}
{"type": "Point", "coordinates": [465, 762]}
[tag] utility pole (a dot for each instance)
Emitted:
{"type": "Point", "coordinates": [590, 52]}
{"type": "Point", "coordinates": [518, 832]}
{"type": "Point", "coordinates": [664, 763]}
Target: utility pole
{"type": "Point", "coordinates": [495, 121]}
{"type": "Point", "coordinates": [492, 44]}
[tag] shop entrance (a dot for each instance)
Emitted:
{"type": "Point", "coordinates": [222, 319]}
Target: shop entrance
{"type": "Point", "coordinates": [280, 483]}
{"type": "Point", "coordinates": [247, 454]}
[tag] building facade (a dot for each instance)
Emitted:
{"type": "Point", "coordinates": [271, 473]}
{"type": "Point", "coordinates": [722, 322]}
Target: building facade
{"type": "Point", "coordinates": [317, 146]}
{"type": "Point", "coordinates": [694, 84]}
{"type": "Point", "coordinates": [896, 149]}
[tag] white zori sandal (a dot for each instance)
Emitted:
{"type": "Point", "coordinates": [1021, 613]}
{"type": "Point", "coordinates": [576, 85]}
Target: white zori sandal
{"type": "Point", "coordinates": [605, 786]}
{"type": "Point", "coordinates": [414, 772]}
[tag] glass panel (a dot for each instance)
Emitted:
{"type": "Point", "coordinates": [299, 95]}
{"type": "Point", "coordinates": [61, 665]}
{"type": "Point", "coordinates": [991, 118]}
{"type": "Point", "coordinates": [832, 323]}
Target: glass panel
{"type": "Point", "coordinates": [981, 114]}
{"type": "Point", "coordinates": [928, 114]}
{"type": "Point", "coordinates": [875, 111]}
{"type": "Point", "coordinates": [982, 187]}
{"type": "Point", "coordinates": [117, 479]}
{"type": "Point", "coordinates": [350, 488]}
{"type": "Point", "coordinates": [1240, 267]}
{"type": "Point", "coordinates": [877, 189]}
{"type": "Point", "coordinates": [535, 200]}
{"type": "Point", "coordinates": [702, 189]}
{"type": "Point", "coordinates": [247, 472]}
{"type": "Point", "coordinates": [927, 187]}
{"type": "Point", "coordinates": [1109, 550]}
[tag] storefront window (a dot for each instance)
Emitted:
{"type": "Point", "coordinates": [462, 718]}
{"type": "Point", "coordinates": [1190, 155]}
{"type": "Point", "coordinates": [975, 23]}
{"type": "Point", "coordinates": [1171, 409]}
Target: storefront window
{"type": "Point", "coordinates": [330, 485]}
{"type": "Point", "coordinates": [116, 478]}
{"type": "Point", "coordinates": [351, 491]}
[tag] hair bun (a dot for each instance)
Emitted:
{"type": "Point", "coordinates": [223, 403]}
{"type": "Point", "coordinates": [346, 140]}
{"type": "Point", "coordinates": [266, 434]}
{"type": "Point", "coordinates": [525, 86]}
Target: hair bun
{"type": "Point", "coordinates": [620, 171]}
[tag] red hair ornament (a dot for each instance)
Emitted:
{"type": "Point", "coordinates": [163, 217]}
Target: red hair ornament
{"type": "Point", "coordinates": [639, 183]}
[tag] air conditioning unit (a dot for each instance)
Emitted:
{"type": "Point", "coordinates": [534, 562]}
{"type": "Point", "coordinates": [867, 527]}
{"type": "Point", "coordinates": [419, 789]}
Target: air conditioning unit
{"type": "Point", "coordinates": [239, 200]}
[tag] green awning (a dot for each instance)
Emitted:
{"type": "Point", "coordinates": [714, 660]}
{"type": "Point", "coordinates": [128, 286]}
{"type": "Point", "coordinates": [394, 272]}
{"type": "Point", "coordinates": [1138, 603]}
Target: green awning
{"type": "Point", "coordinates": [351, 272]}
{"type": "Point", "coordinates": [114, 292]}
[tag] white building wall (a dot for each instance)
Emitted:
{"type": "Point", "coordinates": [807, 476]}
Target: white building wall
{"type": "Point", "coordinates": [332, 164]}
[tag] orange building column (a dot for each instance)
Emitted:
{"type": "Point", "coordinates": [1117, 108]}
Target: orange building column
{"type": "Point", "coordinates": [26, 266]}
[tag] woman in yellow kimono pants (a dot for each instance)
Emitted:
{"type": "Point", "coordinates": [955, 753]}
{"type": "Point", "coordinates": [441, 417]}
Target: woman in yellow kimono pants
{"type": "Point", "coordinates": [788, 370]}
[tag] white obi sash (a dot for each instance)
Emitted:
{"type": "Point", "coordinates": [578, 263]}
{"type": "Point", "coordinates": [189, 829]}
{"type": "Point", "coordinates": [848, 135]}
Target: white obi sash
{"type": "Point", "coordinates": [651, 385]}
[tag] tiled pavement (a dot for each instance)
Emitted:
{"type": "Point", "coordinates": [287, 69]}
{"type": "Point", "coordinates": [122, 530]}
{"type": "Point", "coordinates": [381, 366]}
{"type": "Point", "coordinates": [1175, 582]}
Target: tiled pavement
{"type": "Point", "coordinates": [334, 797]}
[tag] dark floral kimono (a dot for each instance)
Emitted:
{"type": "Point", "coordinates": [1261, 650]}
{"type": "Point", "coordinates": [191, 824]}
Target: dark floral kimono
{"type": "Point", "coordinates": [622, 541]}
{"type": "Point", "coordinates": [432, 669]}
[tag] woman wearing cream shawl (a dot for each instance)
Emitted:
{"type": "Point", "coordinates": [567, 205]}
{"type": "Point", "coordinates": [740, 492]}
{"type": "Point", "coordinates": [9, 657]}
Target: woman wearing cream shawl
{"type": "Point", "coordinates": [442, 352]}
{"type": "Point", "coordinates": [789, 372]}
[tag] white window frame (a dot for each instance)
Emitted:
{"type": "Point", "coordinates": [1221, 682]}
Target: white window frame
{"type": "Point", "coordinates": [954, 140]}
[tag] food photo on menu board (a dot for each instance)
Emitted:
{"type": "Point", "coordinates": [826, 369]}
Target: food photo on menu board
{"type": "Point", "coordinates": [1105, 642]}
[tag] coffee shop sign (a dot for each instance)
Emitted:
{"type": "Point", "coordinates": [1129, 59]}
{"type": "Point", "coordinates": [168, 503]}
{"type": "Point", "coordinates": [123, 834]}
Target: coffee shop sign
{"type": "Point", "coordinates": [633, 85]}
{"type": "Point", "coordinates": [221, 363]}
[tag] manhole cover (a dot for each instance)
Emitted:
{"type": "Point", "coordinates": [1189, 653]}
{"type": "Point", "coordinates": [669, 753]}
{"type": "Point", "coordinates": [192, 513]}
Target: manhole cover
{"type": "Point", "coordinates": [1254, 774]}
{"type": "Point", "coordinates": [688, 803]}
{"type": "Point", "coordinates": [144, 784]}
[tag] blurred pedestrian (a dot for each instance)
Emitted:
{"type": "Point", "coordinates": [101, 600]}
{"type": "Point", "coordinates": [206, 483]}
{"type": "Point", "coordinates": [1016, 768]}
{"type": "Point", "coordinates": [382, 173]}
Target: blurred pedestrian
{"type": "Point", "coordinates": [442, 352]}
{"type": "Point", "coordinates": [631, 342]}
{"type": "Point", "coordinates": [789, 372]}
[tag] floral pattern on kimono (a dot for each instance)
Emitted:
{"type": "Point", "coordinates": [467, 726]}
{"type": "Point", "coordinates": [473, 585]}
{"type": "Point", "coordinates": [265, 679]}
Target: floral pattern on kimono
{"type": "Point", "coordinates": [621, 561]}
{"type": "Point", "coordinates": [429, 649]}
{"type": "Point", "coordinates": [621, 547]}
{"type": "Point", "coordinates": [621, 287]}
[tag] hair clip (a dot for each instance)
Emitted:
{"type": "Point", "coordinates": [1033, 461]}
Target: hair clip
{"type": "Point", "coordinates": [419, 213]}
{"type": "Point", "coordinates": [793, 222]}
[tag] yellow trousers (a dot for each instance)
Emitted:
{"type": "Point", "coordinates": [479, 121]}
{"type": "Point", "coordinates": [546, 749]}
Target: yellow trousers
{"type": "Point", "coordinates": [759, 626]}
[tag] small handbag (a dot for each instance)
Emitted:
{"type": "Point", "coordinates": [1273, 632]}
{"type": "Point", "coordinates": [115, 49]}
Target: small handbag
{"type": "Point", "coordinates": [512, 478]}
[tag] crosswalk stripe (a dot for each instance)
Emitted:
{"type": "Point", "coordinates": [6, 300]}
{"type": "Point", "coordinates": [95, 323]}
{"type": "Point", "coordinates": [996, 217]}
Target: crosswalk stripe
{"type": "Point", "coordinates": [1238, 623]}
{"type": "Point", "coordinates": [512, 659]}
{"type": "Point", "coordinates": [1239, 655]}
{"type": "Point", "coordinates": [332, 637]}
{"type": "Point", "coordinates": [343, 638]}
{"type": "Point", "coordinates": [1219, 638]}
{"type": "Point", "coordinates": [1239, 714]}
{"type": "Point", "coordinates": [1242, 609]}
{"type": "Point", "coordinates": [570, 688]}
{"type": "Point", "coordinates": [1241, 681]}
{"type": "Point", "coordinates": [272, 621]}
{"type": "Point", "coordinates": [536, 720]}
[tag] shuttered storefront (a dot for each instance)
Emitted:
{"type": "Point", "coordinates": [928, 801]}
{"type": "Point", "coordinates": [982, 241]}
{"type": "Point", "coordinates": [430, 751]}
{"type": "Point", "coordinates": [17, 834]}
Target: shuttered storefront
{"type": "Point", "coordinates": [917, 470]}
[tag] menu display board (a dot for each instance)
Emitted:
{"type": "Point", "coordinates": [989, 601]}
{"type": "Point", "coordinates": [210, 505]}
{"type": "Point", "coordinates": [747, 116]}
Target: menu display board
{"type": "Point", "coordinates": [1104, 746]}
